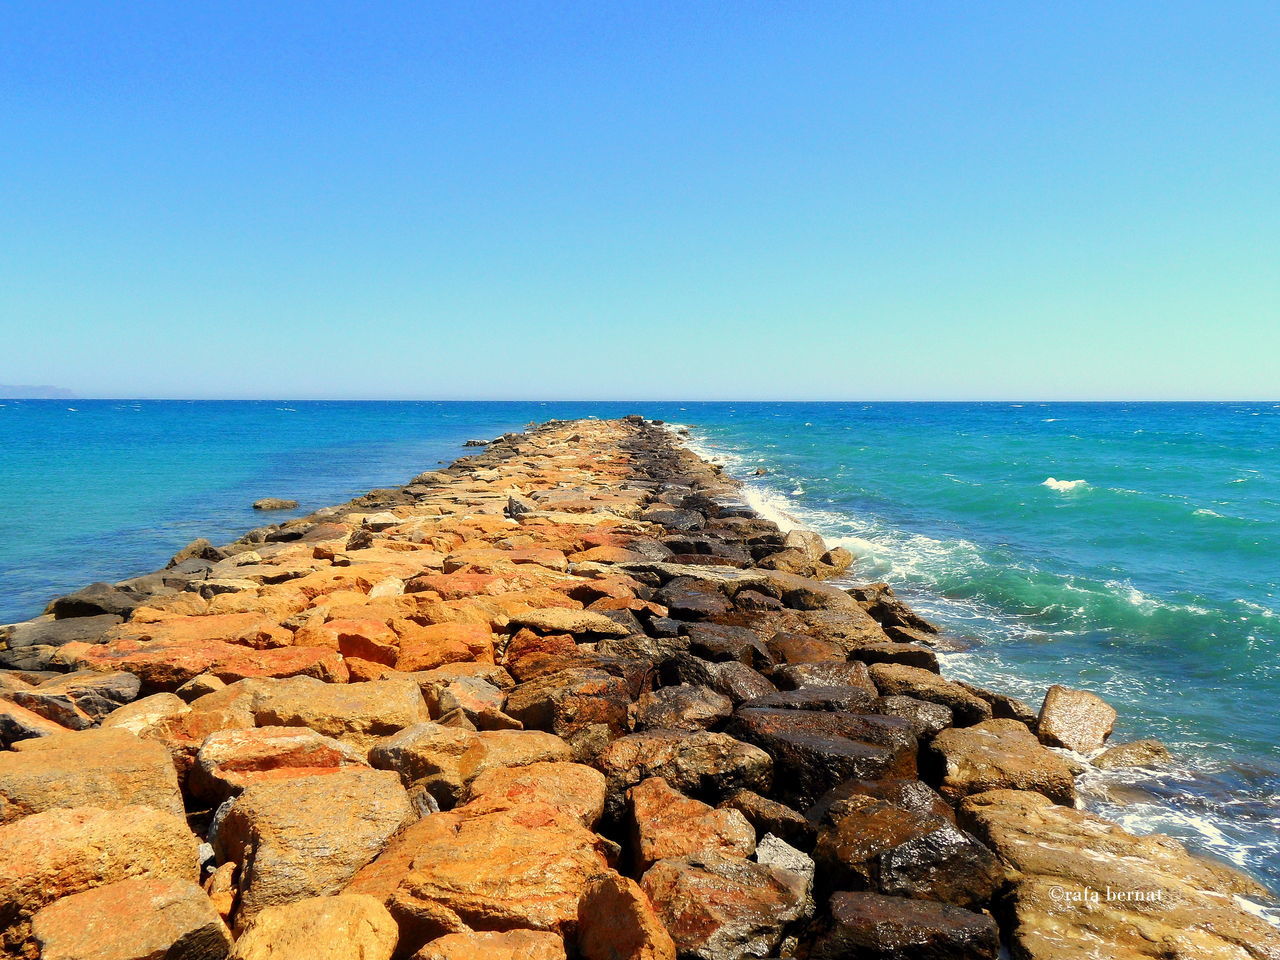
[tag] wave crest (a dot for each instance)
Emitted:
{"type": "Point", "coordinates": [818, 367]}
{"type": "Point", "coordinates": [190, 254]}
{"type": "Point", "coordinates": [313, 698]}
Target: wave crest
{"type": "Point", "coordinates": [1064, 486]}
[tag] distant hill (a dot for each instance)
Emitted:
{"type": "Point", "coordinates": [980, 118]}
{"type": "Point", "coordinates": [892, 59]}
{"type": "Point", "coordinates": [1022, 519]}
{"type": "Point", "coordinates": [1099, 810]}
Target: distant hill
{"type": "Point", "coordinates": [9, 391]}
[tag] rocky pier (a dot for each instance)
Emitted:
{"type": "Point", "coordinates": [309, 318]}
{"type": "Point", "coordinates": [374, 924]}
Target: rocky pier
{"type": "Point", "coordinates": [566, 698]}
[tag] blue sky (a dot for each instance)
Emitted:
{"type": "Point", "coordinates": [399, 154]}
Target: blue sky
{"type": "Point", "coordinates": [641, 200]}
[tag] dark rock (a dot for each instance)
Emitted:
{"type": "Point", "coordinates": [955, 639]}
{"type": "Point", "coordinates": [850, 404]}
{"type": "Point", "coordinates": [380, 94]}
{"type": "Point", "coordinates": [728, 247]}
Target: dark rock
{"type": "Point", "coordinates": [911, 654]}
{"type": "Point", "coordinates": [873, 927]}
{"type": "Point", "coordinates": [94, 601]}
{"type": "Point", "coordinates": [752, 600]}
{"type": "Point", "coordinates": [799, 648]}
{"type": "Point", "coordinates": [673, 519]}
{"type": "Point", "coordinates": [690, 599]}
{"type": "Point", "coordinates": [200, 549]}
{"type": "Point", "coordinates": [31, 645]}
{"type": "Point", "coordinates": [682, 708]}
{"type": "Point", "coordinates": [735, 680]}
{"type": "Point", "coordinates": [909, 794]}
{"type": "Point", "coordinates": [852, 699]}
{"type": "Point", "coordinates": [1003, 706]}
{"type": "Point", "coordinates": [866, 843]}
{"type": "Point", "coordinates": [719, 642]}
{"type": "Point", "coordinates": [475, 443]}
{"type": "Point", "coordinates": [79, 700]}
{"type": "Point", "coordinates": [770, 816]}
{"type": "Point", "coordinates": [879, 600]}
{"type": "Point", "coordinates": [573, 704]}
{"type": "Point", "coordinates": [275, 503]}
{"type": "Point", "coordinates": [795, 676]}
{"type": "Point", "coordinates": [897, 679]}
{"type": "Point", "coordinates": [926, 718]}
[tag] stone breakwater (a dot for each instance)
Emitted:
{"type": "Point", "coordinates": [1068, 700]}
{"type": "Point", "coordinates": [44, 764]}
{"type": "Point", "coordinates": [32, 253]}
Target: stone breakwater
{"type": "Point", "coordinates": [568, 697]}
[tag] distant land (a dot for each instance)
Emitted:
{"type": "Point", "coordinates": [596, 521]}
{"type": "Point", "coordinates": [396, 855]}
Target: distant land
{"type": "Point", "coordinates": [9, 391]}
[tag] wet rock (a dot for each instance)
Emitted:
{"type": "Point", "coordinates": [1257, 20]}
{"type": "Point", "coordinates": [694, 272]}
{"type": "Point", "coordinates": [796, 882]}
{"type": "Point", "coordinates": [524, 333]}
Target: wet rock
{"type": "Point", "coordinates": [321, 928]}
{"type": "Point", "coordinates": [275, 503]}
{"type": "Point", "coordinates": [307, 836]}
{"type": "Point", "coordinates": [1000, 754]}
{"type": "Point", "coordinates": [692, 599]}
{"type": "Point", "coordinates": [910, 654]}
{"type": "Point", "coordinates": [1075, 719]}
{"type": "Point", "coordinates": [231, 760]}
{"type": "Point", "coordinates": [577, 705]}
{"type": "Point", "coordinates": [1003, 706]}
{"type": "Point", "coordinates": [31, 645]}
{"type": "Point", "coordinates": [879, 600]}
{"type": "Point", "coordinates": [668, 825]}
{"type": "Point", "coordinates": [723, 908]}
{"type": "Point", "coordinates": [79, 700]}
{"type": "Point", "coordinates": [616, 921]}
{"type": "Point", "coordinates": [700, 764]}
{"type": "Point", "coordinates": [770, 816]}
{"type": "Point", "coordinates": [508, 945]}
{"type": "Point", "coordinates": [793, 676]}
{"type": "Point", "coordinates": [1139, 753]}
{"type": "Point", "coordinates": [909, 794]}
{"type": "Point", "coordinates": [895, 679]}
{"type": "Point", "coordinates": [94, 600]}
{"type": "Point", "coordinates": [100, 768]}
{"type": "Point", "coordinates": [869, 844]}
{"type": "Point", "coordinates": [719, 642]}
{"type": "Point", "coordinates": [1162, 902]}
{"type": "Point", "coordinates": [926, 718]}
{"type": "Point", "coordinates": [813, 751]}
{"type": "Point", "coordinates": [684, 707]}
{"type": "Point", "coordinates": [673, 519]}
{"type": "Point", "coordinates": [131, 919]}
{"type": "Point", "coordinates": [58, 853]}
{"type": "Point", "coordinates": [852, 699]}
{"type": "Point", "coordinates": [732, 679]}
{"type": "Point", "coordinates": [874, 927]}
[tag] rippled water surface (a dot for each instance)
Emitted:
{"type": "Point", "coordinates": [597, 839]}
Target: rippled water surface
{"type": "Point", "coordinates": [1132, 549]}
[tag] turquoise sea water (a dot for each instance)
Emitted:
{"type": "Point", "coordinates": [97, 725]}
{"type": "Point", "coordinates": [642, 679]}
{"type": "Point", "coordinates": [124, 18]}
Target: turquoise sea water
{"type": "Point", "coordinates": [1149, 571]}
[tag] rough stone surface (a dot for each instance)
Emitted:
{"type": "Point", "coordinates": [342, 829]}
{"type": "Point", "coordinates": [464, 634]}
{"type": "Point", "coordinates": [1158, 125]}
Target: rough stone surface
{"type": "Point", "coordinates": [1138, 753]}
{"type": "Point", "coordinates": [895, 679]}
{"type": "Point", "coordinates": [231, 760]}
{"type": "Point", "coordinates": [134, 919]}
{"type": "Point", "coordinates": [684, 707]}
{"type": "Point", "coordinates": [616, 921]}
{"type": "Point", "coordinates": [1075, 719]}
{"type": "Point", "coordinates": [667, 825]}
{"type": "Point", "coordinates": [869, 926]}
{"type": "Point", "coordinates": [346, 927]}
{"type": "Point", "coordinates": [509, 945]}
{"type": "Point", "coordinates": [1000, 754]}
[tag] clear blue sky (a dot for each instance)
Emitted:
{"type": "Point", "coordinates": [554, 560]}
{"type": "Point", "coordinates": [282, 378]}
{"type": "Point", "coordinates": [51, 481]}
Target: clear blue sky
{"type": "Point", "coordinates": [639, 200]}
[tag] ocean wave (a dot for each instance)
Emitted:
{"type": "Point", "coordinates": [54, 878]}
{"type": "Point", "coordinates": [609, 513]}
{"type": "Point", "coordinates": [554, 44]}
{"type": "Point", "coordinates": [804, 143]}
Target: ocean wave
{"type": "Point", "coordinates": [1064, 486]}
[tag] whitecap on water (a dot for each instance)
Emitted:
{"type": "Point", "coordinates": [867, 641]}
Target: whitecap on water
{"type": "Point", "coordinates": [1064, 486]}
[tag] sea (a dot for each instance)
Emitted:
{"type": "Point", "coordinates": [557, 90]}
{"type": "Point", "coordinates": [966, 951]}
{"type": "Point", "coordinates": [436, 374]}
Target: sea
{"type": "Point", "coordinates": [1131, 549]}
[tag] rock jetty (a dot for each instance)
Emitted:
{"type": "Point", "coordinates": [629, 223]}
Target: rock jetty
{"type": "Point", "coordinates": [566, 698]}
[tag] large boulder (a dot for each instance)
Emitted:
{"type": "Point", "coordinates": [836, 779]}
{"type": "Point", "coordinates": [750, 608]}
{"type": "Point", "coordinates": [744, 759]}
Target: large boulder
{"type": "Point", "coordinates": [308, 836]}
{"type": "Point", "coordinates": [1000, 754]}
{"type": "Point", "coordinates": [55, 854]}
{"type": "Point", "coordinates": [79, 700]}
{"type": "Point", "coordinates": [19, 723]}
{"type": "Point", "coordinates": [168, 663]}
{"type": "Point", "coordinates": [569, 787]}
{"type": "Point", "coordinates": [508, 945]}
{"type": "Point", "coordinates": [33, 644]}
{"type": "Point", "coordinates": [587, 707]}
{"type": "Point", "coordinates": [345, 927]}
{"type": "Point", "coordinates": [616, 921]}
{"type": "Point", "coordinates": [1137, 753]}
{"type": "Point", "coordinates": [355, 713]}
{"type": "Point", "coordinates": [724, 908]}
{"type": "Point", "coordinates": [869, 844]}
{"type": "Point", "coordinates": [874, 927]}
{"type": "Point", "coordinates": [897, 679]}
{"type": "Point", "coordinates": [230, 760]}
{"type": "Point", "coordinates": [683, 707]}
{"type": "Point", "coordinates": [667, 825]}
{"type": "Point", "coordinates": [98, 768]}
{"type": "Point", "coordinates": [1075, 719]}
{"type": "Point", "coordinates": [697, 763]}
{"type": "Point", "coordinates": [142, 917]}
{"type": "Point", "coordinates": [1086, 887]}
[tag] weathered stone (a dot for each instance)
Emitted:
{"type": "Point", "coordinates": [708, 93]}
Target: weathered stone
{"type": "Point", "coordinates": [1000, 754]}
{"type": "Point", "coordinates": [1139, 753]}
{"type": "Point", "coordinates": [508, 945]}
{"type": "Point", "coordinates": [308, 836]}
{"type": "Point", "coordinates": [1075, 719]}
{"type": "Point", "coordinates": [275, 503]}
{"type": "Point", "coordinates": [723, 908]}
{"type": "Point", "coordinates": [345, 927]}
{"type": "Point", "coordinates": [684, 707]}
{"type": "Point", "coordinates": [849, 699]}
{"type": "Point", "coordinates": [570, 787]}
{"type": "Point", "coordinates": [145, 715]}
{"type": "Point", "coordinates": [911, 654]}
{"type": "Point", "coordinates": [667, 825]}
{"type": "Point", "coordinates": [97, 768]}
{"type": "Point", "coordinates": [1162, 903]}
{"type": "Point", "coordinates": [693, 599]}
{"type": "Point", "coordinates": [795, 676]}
{"type": "Point", "coordinates": [79, 700]}
{"type": "Point", "coordinates": [358, 713]}
{"type": "Point", "coordinates": [732, 679]}
{"type": "Point", "coordinates": [94, 600]}
{"type": "Point", "coordinates": [883, 604]}
{"type": "Point", "coordinates": [895, 679]}
{"type": "Point", "coordinates": [62, 852]}
{"type": "Point", "coordinates": [32, 644]}
{"type": "Point", "coordinates": [573, 704]}
{"type": "Point", "coordinates": [700, 764]}
{"type": "Point", "coordinates": [770, 816]}
{"type": "Point", "coordinates": [231, 760]}
{"type": "Point", "coordinates": [865, 843]}
{"type": "Point", "coordinates": [926, 718]}
{"type": "Point", "coordinates": [616, 921]}
{"type": "Point", "coordinates": [578, 622]}
{"type": "Point", "coordinates": [19, 723]}
{"type": "Point", "coordinates": [719, 642]}
{"type": "Point", "coordinates": [874, 927]}
{"type": "Point", "coordinates": [134, 919]}
{"type": "Point", "coordinates": [905, 792]}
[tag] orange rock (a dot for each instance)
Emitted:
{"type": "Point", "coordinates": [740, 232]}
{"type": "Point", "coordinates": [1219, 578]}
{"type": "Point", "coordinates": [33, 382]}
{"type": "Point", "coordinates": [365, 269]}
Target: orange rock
{"type": "Point", "coordinates": [424, 648]}
{"type": "Point", "coordinates": [247, 629]}
{"type": "Point", "coordinates": [61, 852]}
{"type": "Point", "coordinates": [616, 921]}
{"type": "Point", "coordinates": [668, 825]}
{"type": "Point", "coordinates": [452, 586]}
{"type": "Point", "coordinates": [231, 760]}
{"type": "Point", "coordinates": [168, 664]}
{"type": "Point", "coordinates": [511, 945]}
{"type": "Point", "coordinates": [358, 713]}
{"type": "Point", "coordinates": [571, 787]}
{"type": "Point", "coordinates": [362, 671]}
{"type": "Point", "coordinates": [346, 927]}
{"type": "Point", "coordinates": [367, 639]}
{"type": "Point", "coordinates": [608, 555]}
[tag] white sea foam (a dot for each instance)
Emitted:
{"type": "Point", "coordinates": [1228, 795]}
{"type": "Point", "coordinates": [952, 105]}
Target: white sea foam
{"type": "Point", "coordinates": [1064, 486]}
{"type": "Point", "coordinates": [1051, 420]}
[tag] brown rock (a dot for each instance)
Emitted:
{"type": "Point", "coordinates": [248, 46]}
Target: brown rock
{"type": "Point", "coordinates": [667, 825]}
{"type": "Point", "coordinates": [142, 917]}
{"type": "Point", "coordinates": [1162, 903]}
{"type": "Point", "coordinates": [723, 908]}
{"type": "Point", "coordinates": [684, 707]}
{"type": "Point", "coordinates": [587, 706]}
{"type": "Point", "coordinates": [1000, 754]}
{"type": "Point", "coordinates": [308, 836]}
{"type": "Point", "coordinates": [770, 816]}
{"type": "Point", "coordinates": [99, 768]}
{"type": "Point", "coordinates": [62, 852]}
{"type": "Point", "coordinates": [231, 760]}
{"type": "Point", "coordinates": [346, 927]}
{"type": "Point", "coordinates": [146, 715]}
{"type": "Point", "coordinates": [358, 714]}
{"type": "Point", "coordinates": [570, 787]}
{"type": "Point", "coordinates": [510, 945]}
{"type": "Point", "coordinates": [873, 927]}
{"type": "Point", "coordinates": [895, 679]}
{"type": "Point", "coordinates": [79, 700]}
{"type": "Point", "coordinates": [795, 676]}
{"type": "Point", "coordinates": [616, 921]}
{"type": "Point", "coordinates": [1139, 753]}
{"type": "Point", "coordinates": [166, 664]}
{"type": "Point", "coordinates": [577, 622]}
{"type": "Point", "coordinates": [1075, 719]}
